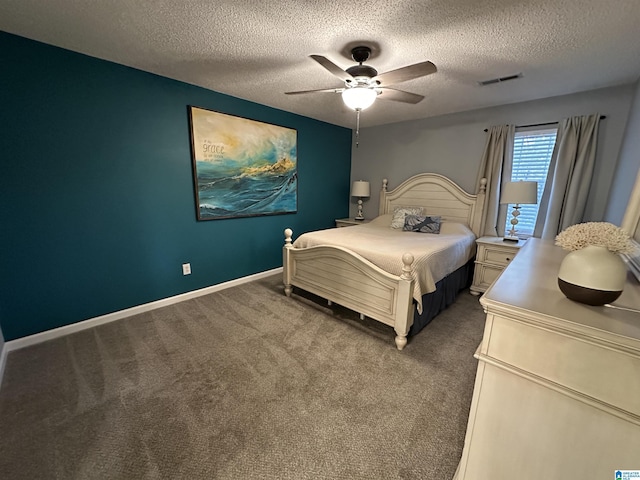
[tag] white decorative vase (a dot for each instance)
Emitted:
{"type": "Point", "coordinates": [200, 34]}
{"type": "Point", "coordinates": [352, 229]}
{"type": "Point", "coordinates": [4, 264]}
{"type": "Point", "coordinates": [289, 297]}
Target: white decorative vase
{"type": "Point", "coordinates": [592, 275]}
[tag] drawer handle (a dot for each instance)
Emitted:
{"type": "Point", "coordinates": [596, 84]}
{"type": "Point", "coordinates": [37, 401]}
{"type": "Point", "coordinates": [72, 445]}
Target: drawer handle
{"type": "Point", "coordinates": [508, 259]}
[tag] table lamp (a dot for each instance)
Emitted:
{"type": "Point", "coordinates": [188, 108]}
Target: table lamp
{"type": "Point", "coordinates": [361, 190]}
{"type": "Point", "coordinates": [517, 193]}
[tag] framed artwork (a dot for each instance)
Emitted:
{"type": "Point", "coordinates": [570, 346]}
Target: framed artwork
{"type": "Point", "coordinates": [242, 167]}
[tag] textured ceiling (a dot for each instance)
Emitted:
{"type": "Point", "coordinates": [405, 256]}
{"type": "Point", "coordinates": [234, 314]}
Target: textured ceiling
{"type": "Point", "coordinates": [257, 50]}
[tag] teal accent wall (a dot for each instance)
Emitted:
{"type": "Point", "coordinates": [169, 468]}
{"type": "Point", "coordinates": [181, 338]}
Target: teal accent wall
{"type": "Point", "coordinates": [96, 188]}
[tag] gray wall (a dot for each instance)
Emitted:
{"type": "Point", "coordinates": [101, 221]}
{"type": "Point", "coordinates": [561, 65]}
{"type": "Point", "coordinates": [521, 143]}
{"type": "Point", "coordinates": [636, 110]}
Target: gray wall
{"type": "Point", "coordinates": [452, 145]}
{"type": "Point", "coordinates": [628, 164]}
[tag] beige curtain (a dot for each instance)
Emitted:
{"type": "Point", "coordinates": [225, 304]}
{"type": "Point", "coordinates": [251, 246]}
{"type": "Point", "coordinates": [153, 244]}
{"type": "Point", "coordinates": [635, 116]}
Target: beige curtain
{"type": "Point", "coordinates": [496, 165]}
{"type": "Point", "coordinates": [565, 194]}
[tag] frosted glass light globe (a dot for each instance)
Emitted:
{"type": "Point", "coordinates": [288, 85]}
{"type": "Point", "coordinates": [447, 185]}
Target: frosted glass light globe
{"type": "Point", "coordinates": [359, 98]}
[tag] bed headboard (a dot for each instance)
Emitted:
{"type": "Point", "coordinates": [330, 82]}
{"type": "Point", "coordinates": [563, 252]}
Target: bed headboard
{"type": "Point", "coordinates": [439, 196]}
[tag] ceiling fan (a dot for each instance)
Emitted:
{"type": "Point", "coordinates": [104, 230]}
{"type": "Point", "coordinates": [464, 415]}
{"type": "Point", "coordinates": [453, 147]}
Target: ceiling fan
{"type": "Point", "coordinates": [363, 84]}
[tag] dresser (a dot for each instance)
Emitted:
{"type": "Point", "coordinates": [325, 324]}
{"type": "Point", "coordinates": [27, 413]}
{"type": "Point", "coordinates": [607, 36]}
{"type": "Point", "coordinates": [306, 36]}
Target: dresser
{"type": "Point", "coordinates": [493, 255]}
{"type": "Point", "coordinates": [557, 390]}
{"type": "Point", "coordinates": [347, 222]}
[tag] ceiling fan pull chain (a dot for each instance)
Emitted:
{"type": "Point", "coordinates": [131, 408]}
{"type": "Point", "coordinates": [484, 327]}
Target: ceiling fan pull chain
{"type": "Point", "coordinates": [357, 126]}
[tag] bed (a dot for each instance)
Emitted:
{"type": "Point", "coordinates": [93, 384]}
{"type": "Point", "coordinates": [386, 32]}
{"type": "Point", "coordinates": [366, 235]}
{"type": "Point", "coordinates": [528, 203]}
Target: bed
{"type": "Point", "coordinates": [384, 273]}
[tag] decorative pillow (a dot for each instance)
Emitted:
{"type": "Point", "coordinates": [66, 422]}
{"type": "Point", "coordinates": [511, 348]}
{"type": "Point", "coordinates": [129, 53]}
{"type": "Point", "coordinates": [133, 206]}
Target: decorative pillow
{"type": "Point", "coordinates": [418, 223]}
{"type": "Point", "coordinates": [400, 212]}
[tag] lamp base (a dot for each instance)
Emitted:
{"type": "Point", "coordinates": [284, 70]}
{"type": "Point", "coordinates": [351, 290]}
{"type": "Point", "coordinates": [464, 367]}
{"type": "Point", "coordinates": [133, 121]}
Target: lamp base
{"type": "Point", "coordinates": [512, 234]}
{"type": "Point", "coordinates": [359, 218]}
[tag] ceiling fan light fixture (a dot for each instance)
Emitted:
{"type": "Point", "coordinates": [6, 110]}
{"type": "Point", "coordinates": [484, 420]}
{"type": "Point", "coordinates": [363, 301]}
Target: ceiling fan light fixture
{"type": "Point", "coordinates": [359, 98]}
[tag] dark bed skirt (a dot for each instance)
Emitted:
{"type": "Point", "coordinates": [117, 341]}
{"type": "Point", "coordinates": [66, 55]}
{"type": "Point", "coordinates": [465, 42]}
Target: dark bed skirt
{"type": "Point", "coordinates": [446, 292]}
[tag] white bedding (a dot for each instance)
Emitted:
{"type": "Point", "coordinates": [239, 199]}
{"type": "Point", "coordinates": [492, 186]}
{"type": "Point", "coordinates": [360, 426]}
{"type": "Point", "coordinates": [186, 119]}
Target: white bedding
{"type": "Point", "coordinates": [435, 256]}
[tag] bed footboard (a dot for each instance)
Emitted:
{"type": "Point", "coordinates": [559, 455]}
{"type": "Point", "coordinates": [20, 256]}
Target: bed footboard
{"type": "Point", "coordinates": [346, 278]}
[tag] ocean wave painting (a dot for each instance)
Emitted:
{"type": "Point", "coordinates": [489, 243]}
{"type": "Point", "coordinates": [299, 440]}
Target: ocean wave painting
{"type": "Point", "coordinates": [242, 167]}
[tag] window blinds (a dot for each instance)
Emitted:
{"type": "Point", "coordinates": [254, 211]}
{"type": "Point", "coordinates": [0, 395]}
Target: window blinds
{"type": "Point", "coordinates": [532, 152]}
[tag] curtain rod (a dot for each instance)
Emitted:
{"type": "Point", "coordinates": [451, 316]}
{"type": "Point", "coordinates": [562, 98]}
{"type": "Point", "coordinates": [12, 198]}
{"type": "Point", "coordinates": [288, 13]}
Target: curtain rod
{"type": "Point", "coordinates": [602, 117]}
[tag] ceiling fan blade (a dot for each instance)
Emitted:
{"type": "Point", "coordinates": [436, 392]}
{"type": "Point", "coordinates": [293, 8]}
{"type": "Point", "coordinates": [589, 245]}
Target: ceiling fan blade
{"type": "Point", "coordinates": [331, 90]}
{"type": "Point", "coordinates": [332, 67]}
{"type": "Point", "coordinates": [399, 95]}
{"type": "Point", "coordinates": [406, 73]}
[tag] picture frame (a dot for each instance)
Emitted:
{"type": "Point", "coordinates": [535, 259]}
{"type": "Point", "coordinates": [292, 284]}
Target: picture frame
{"type": "Point", "coordinates": [241, 167]}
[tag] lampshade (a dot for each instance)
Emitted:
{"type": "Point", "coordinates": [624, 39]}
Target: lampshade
{"type": "Point", "coordinates": [360, 189]}
{"type": "Point", "coordinates": [359, 98]}
{"type": "Point", "coordinates": [519, 192]}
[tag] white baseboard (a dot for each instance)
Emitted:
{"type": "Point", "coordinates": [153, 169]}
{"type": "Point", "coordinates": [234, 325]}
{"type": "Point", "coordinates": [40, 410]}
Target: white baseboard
{"type": "Point", "coordinates": [111, 317]}
{"type": "Point", "coordinates": [3, 360]}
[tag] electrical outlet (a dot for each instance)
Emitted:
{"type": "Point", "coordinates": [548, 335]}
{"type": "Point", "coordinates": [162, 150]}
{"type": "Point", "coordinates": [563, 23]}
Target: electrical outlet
{"type": "Point", "coordinates": [186, 269]}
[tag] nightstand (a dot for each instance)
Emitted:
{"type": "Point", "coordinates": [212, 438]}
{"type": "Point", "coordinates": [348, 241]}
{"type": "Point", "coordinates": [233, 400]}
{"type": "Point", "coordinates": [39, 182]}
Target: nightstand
{"type": "Point", "coordinates": [493, 255]}
{"type": "Point", "coordinates": [347, 222]}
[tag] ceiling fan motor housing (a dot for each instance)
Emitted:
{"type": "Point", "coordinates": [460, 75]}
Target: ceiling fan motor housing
{"type": "Point", "coordinates": [361, 54]}
{"type": "Point", "coordinates": [362, 71]}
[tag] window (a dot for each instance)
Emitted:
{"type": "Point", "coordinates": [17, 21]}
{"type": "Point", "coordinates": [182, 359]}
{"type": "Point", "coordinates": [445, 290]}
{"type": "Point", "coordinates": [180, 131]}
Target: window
{"type": "Point", "coordinates": [532, 150]}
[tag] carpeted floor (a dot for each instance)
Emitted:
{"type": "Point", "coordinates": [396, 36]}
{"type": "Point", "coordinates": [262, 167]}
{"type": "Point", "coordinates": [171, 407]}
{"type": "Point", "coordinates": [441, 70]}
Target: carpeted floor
{"type": "Point", "coordinates": [242, 384]}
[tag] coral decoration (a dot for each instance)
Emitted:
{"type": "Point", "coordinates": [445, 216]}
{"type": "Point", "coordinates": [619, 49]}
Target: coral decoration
{"type": "Point", "coordinates": [601, 234]}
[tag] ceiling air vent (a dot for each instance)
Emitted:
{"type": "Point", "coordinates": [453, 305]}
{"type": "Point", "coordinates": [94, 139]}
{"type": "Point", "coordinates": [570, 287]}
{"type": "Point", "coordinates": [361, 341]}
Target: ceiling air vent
{"type": "Point", "coordinates": [499, 79]}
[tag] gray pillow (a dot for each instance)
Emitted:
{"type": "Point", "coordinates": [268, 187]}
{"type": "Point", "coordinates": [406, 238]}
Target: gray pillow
{"type": "Point", "coordinates": [400, 212]}
{"type": "Point", "coordinates": [422, 224]}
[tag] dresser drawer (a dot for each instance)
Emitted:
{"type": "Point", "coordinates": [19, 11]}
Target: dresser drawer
{"type": "Point", "coordinates": [485, 275]}
{"type": "Point", "coordinates": [497, 256]}
{"type": "Point", "coordinates": [580, 365]}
